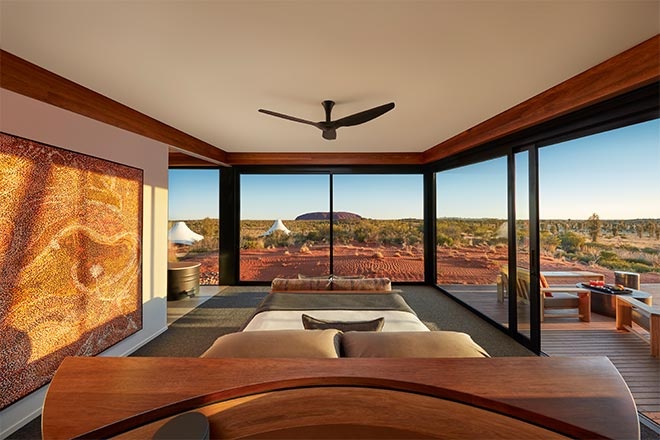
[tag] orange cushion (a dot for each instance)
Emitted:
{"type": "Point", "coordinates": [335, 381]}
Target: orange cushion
{"type": "Point", "coordinates": [544, 284]}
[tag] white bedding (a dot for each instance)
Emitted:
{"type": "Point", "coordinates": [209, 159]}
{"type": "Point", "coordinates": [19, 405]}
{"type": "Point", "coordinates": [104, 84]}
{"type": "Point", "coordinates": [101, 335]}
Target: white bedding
{"type": "Point", "coordinates": [292, 319]}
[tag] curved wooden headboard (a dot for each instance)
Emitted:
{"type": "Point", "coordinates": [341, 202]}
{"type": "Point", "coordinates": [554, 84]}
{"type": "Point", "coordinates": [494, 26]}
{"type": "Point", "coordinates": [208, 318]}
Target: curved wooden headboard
{"type": "Point", "coordinates": [352, 398]}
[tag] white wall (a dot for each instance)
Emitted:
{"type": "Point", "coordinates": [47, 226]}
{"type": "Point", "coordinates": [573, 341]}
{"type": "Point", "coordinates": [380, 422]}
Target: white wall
{"type": "Point", "coordinates": [35, 120]}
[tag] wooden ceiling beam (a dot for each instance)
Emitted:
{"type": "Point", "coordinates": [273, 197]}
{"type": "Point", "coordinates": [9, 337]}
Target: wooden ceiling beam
{"type": "Point", "coordinates": [324, 158]}
{"type": "Point", "coordinates": [25, 78]}
{"type": "Point", "coordinates": [632, 69]}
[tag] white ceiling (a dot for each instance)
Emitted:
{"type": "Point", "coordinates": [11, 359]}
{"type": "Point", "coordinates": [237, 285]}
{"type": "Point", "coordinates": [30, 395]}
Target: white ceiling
{"type": "Point", "coordinates": [205, 67]}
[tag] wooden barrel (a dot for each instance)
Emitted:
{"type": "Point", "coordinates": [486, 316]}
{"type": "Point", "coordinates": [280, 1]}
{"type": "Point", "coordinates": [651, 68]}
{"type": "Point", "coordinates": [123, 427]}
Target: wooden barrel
{"type": "Point", "coordinates": [182, 280]}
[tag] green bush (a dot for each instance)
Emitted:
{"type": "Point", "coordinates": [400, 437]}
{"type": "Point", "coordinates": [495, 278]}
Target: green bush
{"type": "Point", "coordinates": [571, 242]}
{"type": "Point", "coordinates": [444, 240]}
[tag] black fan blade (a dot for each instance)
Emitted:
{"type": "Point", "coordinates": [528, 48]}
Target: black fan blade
{"type": "Point", "coordinates": [290, 118]}
{"type": "Point", "coordinates": [362, 117]}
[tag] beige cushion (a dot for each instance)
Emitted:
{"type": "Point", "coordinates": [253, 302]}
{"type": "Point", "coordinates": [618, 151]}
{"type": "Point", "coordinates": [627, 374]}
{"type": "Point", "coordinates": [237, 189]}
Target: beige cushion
{"type": "Point", "coordinates": [410, 344]}
{"type": "Point", "coordinates": [374, 325]}
{"type": "Point", "coordinates": [376, 284]}
{"type": "Point", "coordinates": [277, 344]}
{"type": "Point", "coordinates": [290, 285]}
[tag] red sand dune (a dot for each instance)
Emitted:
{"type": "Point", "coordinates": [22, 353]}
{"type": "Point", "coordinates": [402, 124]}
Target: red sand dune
{"type": "Point", "coordinates": [465, 265]}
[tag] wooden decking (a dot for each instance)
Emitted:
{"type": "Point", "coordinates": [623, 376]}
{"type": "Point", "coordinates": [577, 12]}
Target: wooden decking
{"type": "Point", "coordinates": [570, 337]}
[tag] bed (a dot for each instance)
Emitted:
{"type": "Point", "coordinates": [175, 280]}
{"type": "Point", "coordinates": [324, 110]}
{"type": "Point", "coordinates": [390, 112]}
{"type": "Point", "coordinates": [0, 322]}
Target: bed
{"type": "Point", "coordinates": [328, 323]}
{"type": "Point", "coordinates": [285, 310]}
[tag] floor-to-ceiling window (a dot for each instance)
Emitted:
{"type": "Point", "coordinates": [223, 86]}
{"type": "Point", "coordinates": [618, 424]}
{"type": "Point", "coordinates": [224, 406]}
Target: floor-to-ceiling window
{"type": "Point", "coordinates": [194, 200]}
{"type": "Point", "coordinates": [284, 226]}
{"type": "Point", "coordinates": [471, 235]}
{"type": "Point", "coordinates": [599, 204]}
{"type": "Point", "coordinates": [378, 226]}
{"type": "Point", "coordinates": [522, 289]}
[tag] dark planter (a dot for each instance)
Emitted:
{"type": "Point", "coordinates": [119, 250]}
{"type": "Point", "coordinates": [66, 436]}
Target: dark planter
{"type": "Point", "coordinates": [182, 280]}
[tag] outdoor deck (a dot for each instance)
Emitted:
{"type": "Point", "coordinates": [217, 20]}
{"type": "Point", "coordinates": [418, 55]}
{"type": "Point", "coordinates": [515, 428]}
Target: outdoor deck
{"type": "Point", "coordinates": [571, 337]}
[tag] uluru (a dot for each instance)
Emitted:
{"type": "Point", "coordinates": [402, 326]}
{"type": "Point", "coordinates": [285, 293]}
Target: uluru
{"type": "Point", "coordinates": [326, 216]}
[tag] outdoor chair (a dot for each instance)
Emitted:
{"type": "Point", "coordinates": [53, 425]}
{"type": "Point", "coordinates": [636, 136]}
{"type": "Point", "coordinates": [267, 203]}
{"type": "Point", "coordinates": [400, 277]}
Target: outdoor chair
{"type": "Point", "coordinates": [629, 310]}
{"type": "Point", "coordinates": [552, 298]}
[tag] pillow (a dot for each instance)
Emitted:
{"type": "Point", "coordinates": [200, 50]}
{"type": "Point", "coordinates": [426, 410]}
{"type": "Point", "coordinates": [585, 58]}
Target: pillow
{"type": "Point", "coordinates": [347, 277]}
{"type": "Point", "coordinates": [314, 277]}
{"type": "Point", "coordinates": [375, 284]}
{"type": "Point", "coordinates": [294, 284]}
{"type": "Point", "coordinates": [374, 325]}
{"type": "Point", "coordinates": [544, 284]}
{"type": "Point", "coordinates": [431, 344]}
{"type": "Point", "coordinates": [277, 344]}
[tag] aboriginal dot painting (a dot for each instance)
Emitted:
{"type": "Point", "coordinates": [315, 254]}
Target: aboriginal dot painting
{"type": "Point", "coordinates": [70, 259]}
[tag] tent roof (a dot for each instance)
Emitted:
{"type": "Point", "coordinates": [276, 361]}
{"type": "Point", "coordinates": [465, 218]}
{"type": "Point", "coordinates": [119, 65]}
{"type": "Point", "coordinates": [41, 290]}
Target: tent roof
{"type": "Point", "coordinates": [277, 226]}
{"type": "Point", "coordinates": [181, 234]}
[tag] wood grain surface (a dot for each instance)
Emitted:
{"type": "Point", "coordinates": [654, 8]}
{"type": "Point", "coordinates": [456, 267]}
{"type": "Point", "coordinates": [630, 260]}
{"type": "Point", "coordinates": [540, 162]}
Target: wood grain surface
{"type": "Point", "coordinates": [102, 396]}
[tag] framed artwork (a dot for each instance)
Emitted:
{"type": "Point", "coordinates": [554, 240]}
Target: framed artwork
{"type": "Point", "coordinates": [70, 259]}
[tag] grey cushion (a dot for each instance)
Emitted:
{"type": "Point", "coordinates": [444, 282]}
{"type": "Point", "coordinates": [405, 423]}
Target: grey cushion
{"type": "Point", "coordinates": [311, 323]}
{"type": "Point", "coordinates": [277, 344]}
{"type": "Point", "coordinates": [410, 344]}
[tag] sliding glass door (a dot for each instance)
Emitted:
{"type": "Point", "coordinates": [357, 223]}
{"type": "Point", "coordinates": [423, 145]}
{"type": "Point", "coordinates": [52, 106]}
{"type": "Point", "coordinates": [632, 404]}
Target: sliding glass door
{"type": "Point", "coordinates": [471, 236]}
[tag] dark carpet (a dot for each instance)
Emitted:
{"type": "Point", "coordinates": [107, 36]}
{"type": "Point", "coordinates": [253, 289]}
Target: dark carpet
{"type": "Point", "coordinates": [230, 309]}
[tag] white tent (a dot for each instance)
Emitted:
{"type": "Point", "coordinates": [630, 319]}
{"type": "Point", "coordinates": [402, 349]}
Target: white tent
{"type": "Point", "coordinates": [181, 234]}
{"type": "Point", "coordinates": [277, 226]}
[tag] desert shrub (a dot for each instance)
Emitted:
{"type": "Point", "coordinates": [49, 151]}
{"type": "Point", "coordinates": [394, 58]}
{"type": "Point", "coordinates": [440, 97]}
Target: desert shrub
{"type": "Point", "coordinates": [278, 239]}
{"type": "Point", "coordinates": [413, 239]}
{"type": "Point", "coordinates": [640, 260]}
{"type": "Point", "coordinates": [571, 242]}
{"type": "Point", "coordinates": [549, 242]}
{"type": "Point", "coordinates": [252, 243]}
{"type": "Point", "coordinates": [444, 240]}
{"type": "Point", "coordinates": [584, 258]}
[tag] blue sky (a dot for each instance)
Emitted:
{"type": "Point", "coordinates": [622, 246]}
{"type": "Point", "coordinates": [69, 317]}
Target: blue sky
{"type": "Point", "coordinates": [372, 196]}
{"type": "Point", "coordinates": [615, 174]}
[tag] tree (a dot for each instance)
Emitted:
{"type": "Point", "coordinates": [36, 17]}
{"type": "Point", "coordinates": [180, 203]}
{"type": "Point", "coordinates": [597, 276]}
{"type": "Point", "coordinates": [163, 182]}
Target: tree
{"type": "Point", "coordinates": [593, 226]}
{"type": "Point", "coordinates": [650, 229]}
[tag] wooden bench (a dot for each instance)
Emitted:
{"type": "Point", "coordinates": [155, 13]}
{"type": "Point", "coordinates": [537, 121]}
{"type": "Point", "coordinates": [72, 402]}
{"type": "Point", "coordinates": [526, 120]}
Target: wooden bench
{"type": "Point", "coordinates": [629, 310]}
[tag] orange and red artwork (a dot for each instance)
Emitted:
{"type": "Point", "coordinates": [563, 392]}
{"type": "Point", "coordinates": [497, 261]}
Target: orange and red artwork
{"type": "Point", "coordinates": [70, 259]}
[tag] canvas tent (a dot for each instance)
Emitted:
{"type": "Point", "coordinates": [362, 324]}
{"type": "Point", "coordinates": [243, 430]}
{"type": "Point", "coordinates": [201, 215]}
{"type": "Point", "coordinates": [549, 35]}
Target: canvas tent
{"type": "Point", "coordinates": [277, 226]}
{"type": "Point", "coordinates": [181, 234]}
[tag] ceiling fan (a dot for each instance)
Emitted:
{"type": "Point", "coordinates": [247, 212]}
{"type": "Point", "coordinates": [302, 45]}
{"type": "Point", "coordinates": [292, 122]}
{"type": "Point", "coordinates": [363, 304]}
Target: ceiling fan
{"type": "Point", "coordinates": [329, 127]}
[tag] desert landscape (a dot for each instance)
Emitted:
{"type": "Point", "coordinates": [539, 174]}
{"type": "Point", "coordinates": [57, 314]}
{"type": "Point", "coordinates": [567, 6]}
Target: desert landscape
{"type": "Point", "coordinates": [470, 251]}
{"type": "Point", "coordinates": [462, 265]}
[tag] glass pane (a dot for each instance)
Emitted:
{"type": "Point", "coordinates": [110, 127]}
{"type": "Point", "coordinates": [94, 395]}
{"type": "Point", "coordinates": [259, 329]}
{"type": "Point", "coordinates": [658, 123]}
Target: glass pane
{"type": "Point", "coordinates": [599, 205]}
{"type": "Point", "coordinates": [378, 227]}
{"type": "Point", "coordinates": [285, 226]}
{"type": "Point", "coordinates": [194, 223]}
{"type": "Point", "coordinates": [471, 244]}
{"type": "Point", "coordinates": [522, 242]}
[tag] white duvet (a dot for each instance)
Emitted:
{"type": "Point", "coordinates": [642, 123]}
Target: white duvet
{"type": "Point", "coordinates": [395, 321]}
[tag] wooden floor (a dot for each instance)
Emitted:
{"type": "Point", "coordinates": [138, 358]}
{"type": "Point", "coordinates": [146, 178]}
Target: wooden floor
{"type": "Point", "coordinates": [570, 337]}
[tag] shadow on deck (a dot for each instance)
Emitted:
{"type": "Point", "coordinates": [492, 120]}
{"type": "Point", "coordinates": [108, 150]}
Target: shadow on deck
{"type": "Point", "coordinates": [570, 337]}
